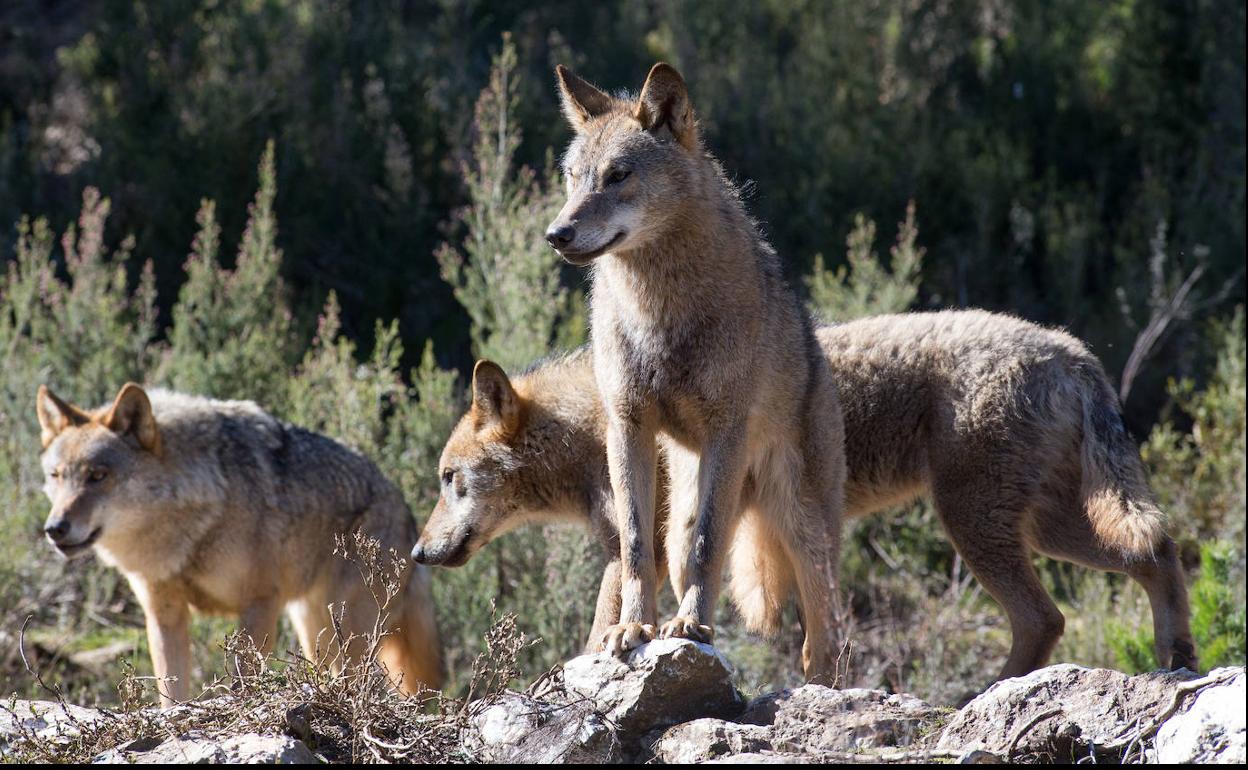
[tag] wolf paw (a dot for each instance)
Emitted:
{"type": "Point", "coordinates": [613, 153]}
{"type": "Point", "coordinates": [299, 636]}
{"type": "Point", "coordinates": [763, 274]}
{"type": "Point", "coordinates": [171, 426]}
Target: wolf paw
{"type": "Point", "coordinates": [626, 637]}
{"type": "Point", "coordinates": [684, 627]}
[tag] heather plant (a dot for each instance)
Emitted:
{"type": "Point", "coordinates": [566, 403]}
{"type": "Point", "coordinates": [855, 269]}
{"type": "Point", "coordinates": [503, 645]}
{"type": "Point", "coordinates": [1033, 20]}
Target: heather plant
{"type": "Point", "coordinates": [865, 285]}
{"type": "Point", "coordinates": [233, 334]}
{"type": "Point", "coordinates": [503, 273]}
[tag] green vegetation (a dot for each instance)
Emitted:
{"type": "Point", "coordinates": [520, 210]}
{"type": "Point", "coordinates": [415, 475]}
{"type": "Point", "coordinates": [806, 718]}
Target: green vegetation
{"type": "Point", "coordinates": [1071, 162]}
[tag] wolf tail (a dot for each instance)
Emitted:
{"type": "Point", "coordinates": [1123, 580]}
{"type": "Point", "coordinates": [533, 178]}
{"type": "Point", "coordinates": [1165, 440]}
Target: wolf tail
{"type": "Point", "coordinates": [761, 575]}
{"type": "Point", "coordinates": [1116, 497]}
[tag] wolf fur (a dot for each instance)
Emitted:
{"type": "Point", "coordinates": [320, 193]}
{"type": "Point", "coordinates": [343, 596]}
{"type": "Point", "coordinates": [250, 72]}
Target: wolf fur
{"type": "Point", "coordinates": [1012, 430]}
{"type": "Point", "coordinates": [698, 343]}
{"type": "Point", "coordinates": [218, 506]}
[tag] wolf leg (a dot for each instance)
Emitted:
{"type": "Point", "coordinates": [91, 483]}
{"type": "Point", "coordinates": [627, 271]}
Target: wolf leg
{"type": "Point", "coordinates": [258, 622]}
{"type": "Point", "coordinates": [631, 459]}
{"type": "Point", "coordinates": [812, 543]}
{"type": "Point", "coordinates": [1063, 532]}
{"type": "Point", "coordinates": [986, 534]}
{"type": "Point", "coordinates": [168, 620]}
{"type": "Point", "coordinates": [721, 477]}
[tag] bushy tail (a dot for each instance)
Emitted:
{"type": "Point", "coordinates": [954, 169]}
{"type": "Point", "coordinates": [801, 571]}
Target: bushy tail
{"type": "Point", "coordinates": [1116, 496]}
{"type": "Point", "coordinates": [761, 577]}
{"type": "Point", "coordinates": [413, 653]}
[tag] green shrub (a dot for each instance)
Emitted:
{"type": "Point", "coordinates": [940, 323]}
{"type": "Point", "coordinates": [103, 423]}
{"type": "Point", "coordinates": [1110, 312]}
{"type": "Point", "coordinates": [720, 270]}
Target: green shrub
{"type": "Point", "coordinates": [864, 286]}
{"type": "Point", "coordinates": [233, 333]}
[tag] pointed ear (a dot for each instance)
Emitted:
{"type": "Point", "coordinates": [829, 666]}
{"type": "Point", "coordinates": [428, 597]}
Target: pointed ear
{"type": "Point", "coordinates": [664, 101]}
{"type": "Point", "coordinates": [581, 101]}
{"type": "Point", "coordinates": [131, 414]}
{"type": "Point", "coordinates": [55, 415]}
{"type": "Point", "coordinates": [494, 401]}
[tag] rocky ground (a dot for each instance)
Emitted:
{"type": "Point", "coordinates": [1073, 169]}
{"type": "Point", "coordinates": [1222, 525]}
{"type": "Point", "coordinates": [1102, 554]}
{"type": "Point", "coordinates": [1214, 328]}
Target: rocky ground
{"type": "Point", "coordinates": [674, 701]}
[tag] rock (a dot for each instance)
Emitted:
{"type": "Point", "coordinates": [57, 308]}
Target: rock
{"type": "Point", "coordinates": [520, 729]}
{"type": "Point", "coordinates": [705, 739]}
{"type": "Point", "coordinates": [1062, 713]}
{"type": "Point", "coordinates": [813, 722]}
{"type": "Point", "coordinates": [248, 749]}
{"type": "Point", "coordinates": [664, 682]}
{"type": "Point", "coordinates": [814, 718]}
{"type": "Point", "coordinates": [45, 719]}
{"type": "Point", "coordinates": [1211, 728]}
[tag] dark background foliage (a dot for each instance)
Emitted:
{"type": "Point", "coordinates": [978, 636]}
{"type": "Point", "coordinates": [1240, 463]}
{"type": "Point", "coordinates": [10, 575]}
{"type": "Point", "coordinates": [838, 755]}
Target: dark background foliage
{"type": "Point", "coordinates": [1045, 141]}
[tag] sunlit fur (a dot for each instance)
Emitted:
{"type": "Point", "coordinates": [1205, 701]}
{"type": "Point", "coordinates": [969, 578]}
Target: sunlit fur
{"type": "Point", "coordinates": [230, 511]}
{"type": "Point", "coordinates": [699, 344]}
{"type": "Point", "coordinates": [1012, 430]}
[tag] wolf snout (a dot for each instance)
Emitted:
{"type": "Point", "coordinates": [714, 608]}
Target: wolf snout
{"type": "Point", "coordinates": [561, 237]}
{"type": "Point", "coordinates": [419, 555]}
{"type": "Point", "coordinates": [57, 531]}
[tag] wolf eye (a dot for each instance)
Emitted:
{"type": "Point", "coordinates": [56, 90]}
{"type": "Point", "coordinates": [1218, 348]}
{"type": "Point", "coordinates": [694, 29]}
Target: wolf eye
{"type": "Point", "coordinates": [55, 473]}
{"type": "Point", "coordinates": [617, 175]}
{"type": "Point", "coordinates": [448, 476]}
{"type": "Point", "coordinates": [98, 474]}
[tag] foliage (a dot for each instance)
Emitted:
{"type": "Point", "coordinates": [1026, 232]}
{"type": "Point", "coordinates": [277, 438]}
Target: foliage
{"type": "Point", "coordinates": [232, 333]}
{"type": "Point", "coordinates": [864, 286]}
{"type": "Point", "coordinates": [505, 264]}
{"type": "Point", "coordinates": [1198, 471]}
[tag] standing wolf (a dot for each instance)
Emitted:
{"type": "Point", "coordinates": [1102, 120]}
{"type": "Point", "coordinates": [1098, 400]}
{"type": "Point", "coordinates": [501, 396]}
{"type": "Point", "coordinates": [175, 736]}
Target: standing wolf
{"type": "Point", "coordinates": [218, 506]}
{"type": "Point", "coordinates": [700, 343]}
{"type": "Point", "coordinates": [1011, 429]}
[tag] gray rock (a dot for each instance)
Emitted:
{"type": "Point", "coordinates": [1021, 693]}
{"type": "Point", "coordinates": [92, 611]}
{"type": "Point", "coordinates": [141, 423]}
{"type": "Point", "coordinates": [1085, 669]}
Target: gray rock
{"type": "Point", "coordinates": [520, 729]}
{"type": "Point", "coordinates": [814, 718]}
{"type": "Point", "coordinates": [1210, 730]}
{"type": "Point", "coordinates": [705, 739]}
{"type": "Point", "coordinates": [44, 719]}
{"type": "Point", "coordinates": [1062, 713]}
{"type": "Point", "coordinates": [665, 682]}
{"type": "Point", "coordinates": [249, 749]}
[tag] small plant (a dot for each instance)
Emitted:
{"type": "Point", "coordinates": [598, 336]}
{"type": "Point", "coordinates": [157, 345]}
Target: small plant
{"type": "Point", "coordinates": [866, 287]}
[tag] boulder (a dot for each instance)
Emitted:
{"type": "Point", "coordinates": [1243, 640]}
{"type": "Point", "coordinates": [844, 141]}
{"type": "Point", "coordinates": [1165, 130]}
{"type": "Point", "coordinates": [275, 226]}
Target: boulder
{"type": "Point", "coordinates": [814, 718]}
{"type": "Point", "coordinates": [1067, 713]}
{"type": "Point", "coordinates": [45, 719]}
{"type": "Point", "coordinates": [249, 749]}
{"type": "Point", "coordinates": [1211, 729]}
{"type": "Point", "coordinates": [517, 728]}
{"type": "Point", "coordinates": [661, 683]}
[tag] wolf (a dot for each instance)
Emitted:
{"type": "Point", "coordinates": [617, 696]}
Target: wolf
{"type": "Point", "coordinates": [698, 342]}
{"type": "Point", "coordinates": [1012, 430]}
{"type": "Point", "coordinates": [217, 506]}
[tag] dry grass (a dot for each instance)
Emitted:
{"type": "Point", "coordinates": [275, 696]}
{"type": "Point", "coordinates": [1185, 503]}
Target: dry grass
{"type": "Point", "coordinates": [342, 713]}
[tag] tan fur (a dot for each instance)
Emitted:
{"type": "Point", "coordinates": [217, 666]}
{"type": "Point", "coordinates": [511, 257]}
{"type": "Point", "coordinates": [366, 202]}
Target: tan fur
{"type": "Point", "coordinates": [700, 345]}
{"type": "Point", "coordinates": [993, 418]}
{"type": "Point", "coordinates": [215, 505]}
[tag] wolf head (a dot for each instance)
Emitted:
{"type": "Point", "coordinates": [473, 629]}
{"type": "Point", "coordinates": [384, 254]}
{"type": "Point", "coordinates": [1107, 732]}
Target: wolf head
{"type": "Point", "coordinates": [629, 167]}
{"type": "Point", "coordinates": [91, 459]}
{"type": "Point", "coordinates": [487, 470]}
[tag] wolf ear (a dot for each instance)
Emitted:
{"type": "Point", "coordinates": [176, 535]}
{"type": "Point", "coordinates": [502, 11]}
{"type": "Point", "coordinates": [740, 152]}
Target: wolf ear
{"type": "Point", "coordinates": [131, 414]}
{"type": "Point", "coordinates": [55, 415]}
{"type": "Point", "coordinates": [664, 101]}
{"type": "Point", "coordinates": [581, 101]}
{"type": "Point", "coordinates": [494, 401]}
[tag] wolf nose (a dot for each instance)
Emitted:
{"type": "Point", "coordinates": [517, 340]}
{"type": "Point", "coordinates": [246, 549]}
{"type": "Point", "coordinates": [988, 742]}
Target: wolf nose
{"type": "Point", "coordinates": [418, 554]}
{"type": "Point", "coordinates": [561, 237]}
{"type": "Point", "coordinates": [57, 531]}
